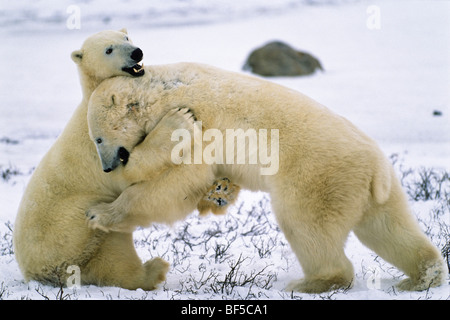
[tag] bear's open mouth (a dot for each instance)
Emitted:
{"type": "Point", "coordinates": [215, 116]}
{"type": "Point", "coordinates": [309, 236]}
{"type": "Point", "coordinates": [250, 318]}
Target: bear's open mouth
{"type": "Point", "coordinates": [136, 71]}
{"type": "Point", "coordinates": [123, 155]}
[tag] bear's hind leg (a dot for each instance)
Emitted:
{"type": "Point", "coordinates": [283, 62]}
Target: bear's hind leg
{"type": "Point", "coordinates": [391, 231]}
{"type": "Point", "coordinates": [117, 264]}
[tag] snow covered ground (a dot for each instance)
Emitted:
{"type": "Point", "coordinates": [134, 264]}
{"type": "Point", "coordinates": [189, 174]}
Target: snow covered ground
{"type": "Point", "coordinates": [387, 69]}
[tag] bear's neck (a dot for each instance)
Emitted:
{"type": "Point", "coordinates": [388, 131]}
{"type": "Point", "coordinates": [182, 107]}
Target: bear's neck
{"type": "Point", "coordinates": [88, 84]}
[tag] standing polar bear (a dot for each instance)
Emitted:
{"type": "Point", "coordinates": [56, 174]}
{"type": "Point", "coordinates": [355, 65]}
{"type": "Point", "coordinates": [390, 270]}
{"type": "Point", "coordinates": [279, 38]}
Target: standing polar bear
{"type": "Point", "coordinates": [330, 177]}
{"type": "Point", "coordinates": [50, 232]}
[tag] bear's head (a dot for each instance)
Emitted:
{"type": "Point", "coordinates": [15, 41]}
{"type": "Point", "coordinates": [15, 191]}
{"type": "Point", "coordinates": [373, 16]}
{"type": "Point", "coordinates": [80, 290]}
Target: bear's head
{"type": "Point", "coordinates": [114, 127]}
{"type": "Point", "coordinates": [107, 54]}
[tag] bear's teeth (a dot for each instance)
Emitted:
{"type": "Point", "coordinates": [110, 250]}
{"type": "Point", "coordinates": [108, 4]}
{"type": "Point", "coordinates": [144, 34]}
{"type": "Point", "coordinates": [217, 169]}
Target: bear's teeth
{"type": "Point", "coordinates": [138, 67]}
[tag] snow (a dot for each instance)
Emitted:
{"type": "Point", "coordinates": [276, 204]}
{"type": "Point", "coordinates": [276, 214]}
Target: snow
{"type": "Point", "coordinates": [388, 81]}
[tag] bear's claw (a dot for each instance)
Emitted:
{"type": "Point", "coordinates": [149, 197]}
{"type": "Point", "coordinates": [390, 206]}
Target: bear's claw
{"type": "Point", "coordinates": [104, 217]}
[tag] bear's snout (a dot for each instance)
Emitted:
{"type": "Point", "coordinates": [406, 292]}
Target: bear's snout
{"type": "Point", "coordinates": [136, 70]}
{"type": "Point", "coordinates": [111, 158]}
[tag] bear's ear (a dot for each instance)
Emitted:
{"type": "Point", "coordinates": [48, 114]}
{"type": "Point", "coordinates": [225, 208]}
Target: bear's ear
{"type": "Point", "coordinates": [77, 56]}
{"type": "Point", "coordinates": [124, 30]}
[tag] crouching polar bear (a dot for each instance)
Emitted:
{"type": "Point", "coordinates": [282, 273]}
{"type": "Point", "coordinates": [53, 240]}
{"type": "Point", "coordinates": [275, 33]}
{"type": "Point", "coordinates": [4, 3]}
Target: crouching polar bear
{"type": "Point", "coordinates": [329, 179]}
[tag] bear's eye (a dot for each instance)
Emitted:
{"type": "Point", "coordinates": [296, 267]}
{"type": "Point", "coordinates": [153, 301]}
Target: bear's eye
{"type": "Point", "coordinates": [126, 38]}
{"type": "Point", "coordinates": [99, 140]}
{"type": "Point", "coordinates": [109, 51]}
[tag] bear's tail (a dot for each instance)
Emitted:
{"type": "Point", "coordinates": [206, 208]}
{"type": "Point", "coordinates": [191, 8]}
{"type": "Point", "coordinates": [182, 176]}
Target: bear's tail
{"type": "Point", "coordinates": [382, 180]}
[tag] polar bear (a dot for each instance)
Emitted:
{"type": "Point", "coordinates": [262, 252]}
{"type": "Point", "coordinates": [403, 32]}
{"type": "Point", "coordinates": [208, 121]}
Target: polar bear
{"type": "Point", "coordinates": [50, 232]}
{"type": "Point", "coordinates": [331, 177]}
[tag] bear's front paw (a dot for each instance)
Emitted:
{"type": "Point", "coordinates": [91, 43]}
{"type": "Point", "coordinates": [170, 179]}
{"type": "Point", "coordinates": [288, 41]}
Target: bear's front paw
{"type": "Point", "coordinates": [179, 118]}
{"type": "Point", "coordinates": [104, 217]}
{"type": "Point", "coordinates": [320, 285]}
{"type": "Point", "coordinates": [97, 218]}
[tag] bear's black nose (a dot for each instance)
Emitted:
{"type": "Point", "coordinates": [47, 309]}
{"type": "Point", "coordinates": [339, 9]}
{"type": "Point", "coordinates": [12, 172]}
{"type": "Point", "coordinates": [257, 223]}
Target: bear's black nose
{"type": "Point", "coordinates": [137, 55]}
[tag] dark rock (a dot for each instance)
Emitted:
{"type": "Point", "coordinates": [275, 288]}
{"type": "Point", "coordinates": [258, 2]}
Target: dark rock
{"type": "Point", "coordinates": [279, 59]}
